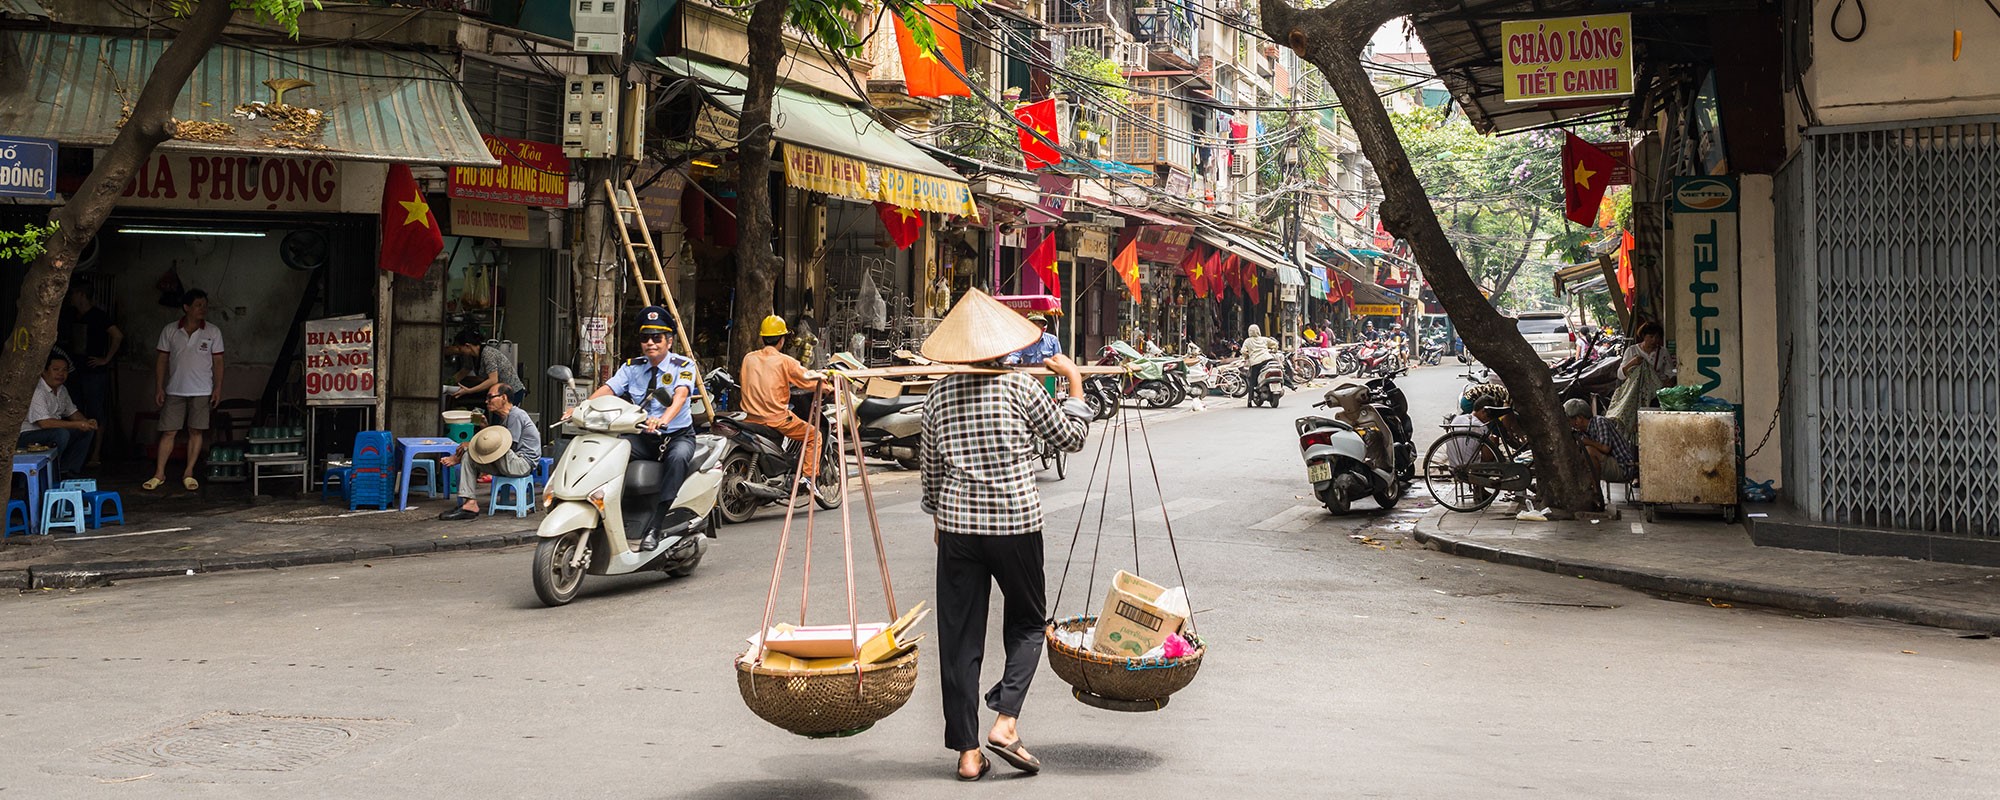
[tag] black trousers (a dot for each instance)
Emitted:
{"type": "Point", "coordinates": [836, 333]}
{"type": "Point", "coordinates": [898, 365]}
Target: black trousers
{"type": "Point", "coordinates": [968, 567]}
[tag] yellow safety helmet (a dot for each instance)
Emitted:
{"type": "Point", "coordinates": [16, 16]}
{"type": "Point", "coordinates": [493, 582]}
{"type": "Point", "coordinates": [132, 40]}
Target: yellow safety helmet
{"type": "Point", "coordinates": [774, 325]}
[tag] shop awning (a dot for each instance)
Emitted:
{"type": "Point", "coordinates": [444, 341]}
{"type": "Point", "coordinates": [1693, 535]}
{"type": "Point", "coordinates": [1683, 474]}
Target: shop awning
{"type": "Point", "coordinates": [840, 150]}
{"type": "Point", "coordinates": [1289, 275]}
{"type": "Point", "coordinates": [374, 107]}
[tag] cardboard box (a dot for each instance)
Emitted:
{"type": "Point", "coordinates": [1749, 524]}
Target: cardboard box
{"type": "Point", "coordinates": [828, 646]}
{"type": "Point", "coordinates": [1131, 621]}
{"type": "Point", "coordinates": [820, 641]}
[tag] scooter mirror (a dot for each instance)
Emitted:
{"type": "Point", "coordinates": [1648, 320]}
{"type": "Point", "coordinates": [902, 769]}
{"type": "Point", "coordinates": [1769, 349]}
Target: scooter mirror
{"type": "Point", "coordinates": [561, 373]}
{"type": "Point", "coordinates": [1464, 358]}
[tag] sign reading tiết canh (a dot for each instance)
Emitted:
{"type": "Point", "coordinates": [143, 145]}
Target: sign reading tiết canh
{"type": "Point", "coordinates": [1566, 58]}
{"type": "Point", "coordinates": [340, 360]}
{"type": "Point", "coordinates": [1374, 310]}
{"type": "Point", "coordinates": [530, 174]}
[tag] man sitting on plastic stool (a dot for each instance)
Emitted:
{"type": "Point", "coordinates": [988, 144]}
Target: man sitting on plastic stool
{"type": "Point", "coordinates": [509, 450]}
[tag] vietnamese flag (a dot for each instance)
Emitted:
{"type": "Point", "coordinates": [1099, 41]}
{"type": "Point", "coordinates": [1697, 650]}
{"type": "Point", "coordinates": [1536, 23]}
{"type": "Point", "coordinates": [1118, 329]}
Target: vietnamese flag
{"type": "Point", "coordinates": [904, 225]}
{"type": "Point", "coordinates": [1213, 271]}
{"type": "Point", "coordinates": [1127, 266]}
{"type": "Point", "coordinates": [933, 72]}
{"type": "Point", "coordinates": [1190, 262]}
{"type": "Point", "coordinates": [1040, 118]}
{"type": "Point", "coordinates": [1250, 284]}
{"type": "Point", "coordinates": [1232, 273]}
{"type": "Point", "coordinates": [1042, 259]}
{"type": "Point", "coordinates": [1197, 273]}
{"type": "Point", "coordinates": [1586, 173]}
{"type": "Point", "coordinates": [411, 238]}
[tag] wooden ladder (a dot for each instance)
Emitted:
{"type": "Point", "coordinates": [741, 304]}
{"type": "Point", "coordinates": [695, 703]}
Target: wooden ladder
{"type": "Point", "coordinates": [651, 276]}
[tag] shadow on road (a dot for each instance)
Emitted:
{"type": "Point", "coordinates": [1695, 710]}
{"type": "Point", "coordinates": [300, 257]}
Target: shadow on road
{"type": "Point", "coordinates": [788, 789]}
{"type": "Point", "coordinates": [1093, 758]}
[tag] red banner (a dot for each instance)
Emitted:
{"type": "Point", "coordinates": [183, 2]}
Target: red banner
{"type": "Point", "coordinates": [530, 174]}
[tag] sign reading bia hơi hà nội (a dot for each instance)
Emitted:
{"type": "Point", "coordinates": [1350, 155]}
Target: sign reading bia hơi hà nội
{"type": "Point", "coordinates": [340, 360]}
{"type": "Point", "coordinates": [1566, 58]}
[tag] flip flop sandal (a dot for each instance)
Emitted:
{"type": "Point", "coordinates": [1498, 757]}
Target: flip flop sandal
{"type": "Point", "coordinates": [191, 484]}
{"type": "Point", "coordinates": [1012, 755]}
{"type": "Point", "coordinates": [151, 484]}
{"type": "Point", "coordinates": [985, 766]}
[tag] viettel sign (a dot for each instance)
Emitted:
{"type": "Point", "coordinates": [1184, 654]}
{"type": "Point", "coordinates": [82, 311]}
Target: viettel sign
{"type": "Point", "coordinates": [1698, 195]}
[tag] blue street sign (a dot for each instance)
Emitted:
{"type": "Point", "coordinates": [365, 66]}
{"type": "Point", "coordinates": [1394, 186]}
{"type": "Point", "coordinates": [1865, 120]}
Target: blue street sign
{"type": "Point", "coordinates": [27, 167]}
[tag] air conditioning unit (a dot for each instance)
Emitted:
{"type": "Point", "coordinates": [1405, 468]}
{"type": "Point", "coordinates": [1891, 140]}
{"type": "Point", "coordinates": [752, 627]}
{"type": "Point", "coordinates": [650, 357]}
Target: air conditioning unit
{"type": "Point", "coordinates": [599, 24]}
{"type": "Point", "coordinates": [590, 116]}
{"type": "Point", "coordinates": [1239, 163]}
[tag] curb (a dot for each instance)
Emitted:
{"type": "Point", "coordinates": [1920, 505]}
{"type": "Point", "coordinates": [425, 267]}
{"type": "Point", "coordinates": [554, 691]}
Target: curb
{"type": "Point", "coordinates": [81, 575]}
{"type": "Point", "coordinates": [1811, 601]}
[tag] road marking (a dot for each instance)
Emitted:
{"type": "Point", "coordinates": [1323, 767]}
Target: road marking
{"type": "Point", "coordinates": [119, 535]}
{"type": "Point", "coordinates": [1177, 508]}
{"type": "Point", "coordinates": [1291, 520]}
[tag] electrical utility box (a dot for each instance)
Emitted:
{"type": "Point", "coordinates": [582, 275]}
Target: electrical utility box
{"type": "Point", "coordinates": [590, 116]}
{"type": "Point", "coordinates": [600, 25]}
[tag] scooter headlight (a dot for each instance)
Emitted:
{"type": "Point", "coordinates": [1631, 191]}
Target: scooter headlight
{"type": "Point", "coordinates": [597, 497]}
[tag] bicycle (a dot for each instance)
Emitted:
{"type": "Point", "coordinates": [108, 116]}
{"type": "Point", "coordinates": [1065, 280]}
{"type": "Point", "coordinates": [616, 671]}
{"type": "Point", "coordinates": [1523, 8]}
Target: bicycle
{"type": "Point", "coordinates": [1470, 466]}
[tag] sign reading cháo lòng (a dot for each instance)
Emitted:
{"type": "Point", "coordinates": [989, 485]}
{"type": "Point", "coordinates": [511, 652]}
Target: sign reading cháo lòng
{"type": "Point", "coordinates": [1566, 58]}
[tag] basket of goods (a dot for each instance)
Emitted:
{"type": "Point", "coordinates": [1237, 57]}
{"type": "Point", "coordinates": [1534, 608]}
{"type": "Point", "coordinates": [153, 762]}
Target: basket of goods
{"type": "Point", "coordinates": [1140, 647]}
{"type": "Point", "coordinates": [815, 682]}
{"type": "Point", "coordinates": [826, 681]}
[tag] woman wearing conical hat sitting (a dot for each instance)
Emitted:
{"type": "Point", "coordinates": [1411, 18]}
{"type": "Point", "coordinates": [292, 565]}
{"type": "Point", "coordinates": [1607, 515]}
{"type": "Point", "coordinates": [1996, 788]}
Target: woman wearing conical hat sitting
{"type": "Point", "coordinates": [981, 435]}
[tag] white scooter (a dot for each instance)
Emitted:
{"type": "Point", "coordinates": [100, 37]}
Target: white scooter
{"type": "Point", "coordinates": [597, 495]}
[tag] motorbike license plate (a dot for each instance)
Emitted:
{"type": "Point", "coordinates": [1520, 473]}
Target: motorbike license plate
{"type": "Point", "coordinates": [1320, 472]}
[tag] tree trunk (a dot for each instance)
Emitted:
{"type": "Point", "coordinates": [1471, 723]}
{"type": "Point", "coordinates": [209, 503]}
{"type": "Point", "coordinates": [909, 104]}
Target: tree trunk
{"type": "Point", "coordinates": [1534, 225]}
{"type": "Point", "coordinates": [47, 280]}
{"type": "Point", "coordinates": [1332, 38]}
{"type": "Point", "coordinates": [756, 263]}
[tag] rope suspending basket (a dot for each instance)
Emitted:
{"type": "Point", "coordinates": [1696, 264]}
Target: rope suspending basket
{"type": "Point", "coordinates": [848, 698]}
{"type": "Point", "coordinates": [1131, 681]}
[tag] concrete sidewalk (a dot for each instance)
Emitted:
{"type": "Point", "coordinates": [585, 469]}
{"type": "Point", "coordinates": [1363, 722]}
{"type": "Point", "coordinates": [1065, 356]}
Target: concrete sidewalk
{"type": "Point", "coordinates": [1705, 558]}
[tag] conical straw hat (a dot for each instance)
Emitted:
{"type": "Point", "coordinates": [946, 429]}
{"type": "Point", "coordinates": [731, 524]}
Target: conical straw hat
{"type": "Point", "coordinates": [979, 329]}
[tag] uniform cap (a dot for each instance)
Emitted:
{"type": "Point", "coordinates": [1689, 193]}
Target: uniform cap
{"type": "Point", "coordinates": [655, 319]}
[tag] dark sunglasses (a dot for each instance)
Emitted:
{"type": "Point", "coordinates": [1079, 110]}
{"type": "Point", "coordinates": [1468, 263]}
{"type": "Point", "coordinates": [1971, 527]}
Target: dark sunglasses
{"type": "Point", "coordinates": [655, 337]}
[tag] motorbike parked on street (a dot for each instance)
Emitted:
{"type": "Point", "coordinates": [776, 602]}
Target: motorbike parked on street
{"type": "Point", "coordinates": [1364, 450]}
{"type": "Point", "coordinates": [891, 428]}
{"type": "Point", "coordinates": [1158, 382]}
{"type": "Point", "coordinates": [597, 495]}
{"type": "Point", "coordinates": [758, 461]}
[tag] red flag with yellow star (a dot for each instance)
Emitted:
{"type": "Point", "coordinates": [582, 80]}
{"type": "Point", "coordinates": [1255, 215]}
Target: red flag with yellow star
{"type": "Point", "coordinates": [411, 238]}
{"type": "Point", "coordinates": [1042, 259]}
{"type": "Point", "coordinates": [925, 73]}
{"type": "Point", "coordinates": [1127, 266]}
{"type": "Point", "coordinates": [1586, 174]}
{"type": "Point", "coordinates": [1212, 271]}
{"type": "Point", "coordinates": [904, 224]}
{"type": "Point", "coordinates": [1250, 281]}
{"type": "Point", "coordinates": [1198, 269]}
{"type": "Point", "coordinates": [1040, 118]}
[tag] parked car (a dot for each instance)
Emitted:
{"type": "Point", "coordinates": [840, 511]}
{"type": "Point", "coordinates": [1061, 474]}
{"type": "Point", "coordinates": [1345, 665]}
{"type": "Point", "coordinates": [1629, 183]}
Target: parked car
{"type": "Point", "coordinates": [1547, 332]}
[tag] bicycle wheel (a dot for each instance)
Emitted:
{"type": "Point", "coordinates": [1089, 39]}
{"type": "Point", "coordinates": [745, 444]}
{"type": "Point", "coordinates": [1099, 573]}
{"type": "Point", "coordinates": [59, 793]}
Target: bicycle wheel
{"type": "Point", "coordinates": [1445, 467]}
{"type": "Point", "coordinates": [1062, 463]}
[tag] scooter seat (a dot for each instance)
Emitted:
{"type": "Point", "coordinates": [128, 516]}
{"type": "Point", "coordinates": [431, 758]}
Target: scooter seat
{"type": "Point", "coordinates": [642, 479]}
{"type": "Point", "coordinates": [765, 431]}
{"type": "Point", "coordinates": [875, 408]}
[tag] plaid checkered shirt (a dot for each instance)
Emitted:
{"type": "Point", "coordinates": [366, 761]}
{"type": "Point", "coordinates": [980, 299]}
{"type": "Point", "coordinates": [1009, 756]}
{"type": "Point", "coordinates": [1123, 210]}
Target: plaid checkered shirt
{"type": "Point", "coordinates": [979, 451]}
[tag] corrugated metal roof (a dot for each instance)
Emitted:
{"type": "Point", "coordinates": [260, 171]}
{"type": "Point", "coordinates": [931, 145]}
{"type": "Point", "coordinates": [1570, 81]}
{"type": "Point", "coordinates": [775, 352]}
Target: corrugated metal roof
{"type": "Point", "coordinates": [378, 107]}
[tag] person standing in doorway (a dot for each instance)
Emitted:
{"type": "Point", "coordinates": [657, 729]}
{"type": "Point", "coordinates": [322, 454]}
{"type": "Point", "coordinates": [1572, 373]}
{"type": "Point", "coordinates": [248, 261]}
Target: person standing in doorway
{"type": "Point", "coordinates": [187, 380]}
{"type": "Point", "coordinates": [94, 340]}
{"type": "Point", "coordinates": [487, 365]}
{"type": "Point", "coordinates": [981, 433]}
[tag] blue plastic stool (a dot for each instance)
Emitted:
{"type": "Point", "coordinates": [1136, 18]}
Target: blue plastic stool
{"type": "Point", "coordinates": [98, 500]}
{"type": "Point", "coordinates": [542, 469]}
{"type": "Point", "coordinates": [71, 500]}
{"type": "Point", "coordinates": [85, 485]}
{"type": "Point", "coordinates": [431, 476]}
{"type": "Point", "coordinates": [341, 474]}
{"type": "Point", "coordinates": [524, 495]}
{"type": "Point", "coordinates": [16, 507]}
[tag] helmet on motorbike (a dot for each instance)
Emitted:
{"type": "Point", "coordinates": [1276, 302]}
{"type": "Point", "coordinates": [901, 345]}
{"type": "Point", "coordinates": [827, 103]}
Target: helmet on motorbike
{"type": "Point", "coordinates": [773, 325]}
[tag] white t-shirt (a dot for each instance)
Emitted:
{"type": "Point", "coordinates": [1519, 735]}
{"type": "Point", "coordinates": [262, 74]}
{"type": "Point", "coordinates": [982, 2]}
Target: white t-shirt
{"type": "Point", "coordinates": [190, 358]}
{"type": "Point", "coordinates": [46, 404]}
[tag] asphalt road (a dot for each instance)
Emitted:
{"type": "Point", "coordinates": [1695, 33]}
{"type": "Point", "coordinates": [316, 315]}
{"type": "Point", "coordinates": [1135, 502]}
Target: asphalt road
{"type": "Point", "coordinates": [1337, 669]}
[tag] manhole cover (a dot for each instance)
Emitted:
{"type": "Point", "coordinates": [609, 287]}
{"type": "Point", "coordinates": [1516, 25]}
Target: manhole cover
{"type": "Point", "coordinates": [228, 740]}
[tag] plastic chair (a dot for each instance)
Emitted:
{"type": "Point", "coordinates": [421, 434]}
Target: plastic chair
{"type": "Point", "coordinates": [340, 473]}
{"type": "Point", "coordinates": [85, 485]}
{"type": "Point", "coordinates": [98, 500]}
{"type": "Point", "coordinates": [524, 495]}
{"type": "Point", "coordinates": [542, 469]}
{"type": "Point", "coordinates": [70, 500]}
{"type": "Point", "coordinates": [16, 507]}
{"type": "Point", "coordinates": [431, 476]}
{"type": "Point", "coordinates": [460, 432]}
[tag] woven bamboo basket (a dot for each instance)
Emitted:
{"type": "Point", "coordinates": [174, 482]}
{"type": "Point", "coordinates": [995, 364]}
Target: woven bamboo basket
{"type": "Point", "coordinates": [1129, 684]}
{"type": "Point", "coordinates": [824, 703]}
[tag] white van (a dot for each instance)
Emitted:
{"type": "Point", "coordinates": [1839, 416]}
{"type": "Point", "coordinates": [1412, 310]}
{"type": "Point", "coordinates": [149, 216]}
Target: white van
{"type": "Point", "coordinates": [1547, 332]}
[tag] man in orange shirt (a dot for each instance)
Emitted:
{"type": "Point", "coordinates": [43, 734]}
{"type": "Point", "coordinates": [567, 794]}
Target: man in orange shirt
{"type": "Point", "coordinates": [768, 379]}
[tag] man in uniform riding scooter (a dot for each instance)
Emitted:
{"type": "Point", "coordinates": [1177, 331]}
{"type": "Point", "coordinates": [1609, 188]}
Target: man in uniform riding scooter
{"type": "Point", "coordinates": [669, 429]}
